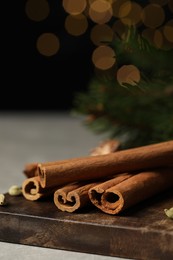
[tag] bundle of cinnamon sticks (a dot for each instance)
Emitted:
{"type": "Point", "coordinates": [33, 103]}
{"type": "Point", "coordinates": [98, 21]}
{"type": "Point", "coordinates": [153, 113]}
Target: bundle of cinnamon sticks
{"type": "Point", "coordinates": [111, 179]}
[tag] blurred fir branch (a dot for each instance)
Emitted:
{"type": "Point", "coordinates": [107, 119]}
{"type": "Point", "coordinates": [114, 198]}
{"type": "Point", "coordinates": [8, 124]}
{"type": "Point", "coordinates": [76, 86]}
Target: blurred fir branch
{"type": "Point", "coordinates": [136, 114]}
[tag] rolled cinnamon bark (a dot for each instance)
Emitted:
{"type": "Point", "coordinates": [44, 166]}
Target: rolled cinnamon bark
{"type": "Point", "coordinates": [97, 167]}
{"type": "Point", "coordinates": [30, 170]}
{"type": "Point", "coordinates": [32, 190]}
{"type": "Point", "coordinates": [106, 147]}
{"type": "Point", "coordinates": [96, 192]}
{"type": "Point", "coordinates": [129, 192]}
{"type": "Point", "coordinates": [73, 196]}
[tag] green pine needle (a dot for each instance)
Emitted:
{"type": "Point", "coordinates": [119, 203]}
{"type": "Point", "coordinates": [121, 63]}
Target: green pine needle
{"type": "Point", "coordinates": [140, 114]}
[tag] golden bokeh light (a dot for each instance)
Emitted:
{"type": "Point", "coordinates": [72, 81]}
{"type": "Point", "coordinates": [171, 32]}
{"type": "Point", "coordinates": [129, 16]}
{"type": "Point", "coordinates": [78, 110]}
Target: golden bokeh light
{"type": "Point", "coordinates": [125, 9]}
{"type": "Point", "coordinates": [155, 37]}
{"type": "Point", "coordinates": [76, 24]}
{"type": "Point", "coordinates": [159, 2]}
{"type": "Point", "coordinates": [116, 6]}
{"type": "Point", "coordinates": [103, 57]}
{"type": "Point", "coordinates": [131, 14]}
{"type": "Point", "coordinates": [74, 7]}
{"type": "Point", "coordinates": [101, 34]}
{"type": "Point", "coordinates": [168, 31]}
{"type": "Point", "coordinates": [167, 45]}
{"type": "Point", "coordinates": [48, 44]}
{"type": "Point", "coordinates": [128, 74]}
{"type": "Point", "coordinates": [37, 10]}
{"type": "Point", "coordinates": [109, 1]}
{"type": "Point", "coordinates": [153, 16]}
{"type": "Point", "coordinates": [158, 39]}
{"type": "Point", "coordinates": [91, 1]}
{"type": "Point", "coordinates": [100, 11]}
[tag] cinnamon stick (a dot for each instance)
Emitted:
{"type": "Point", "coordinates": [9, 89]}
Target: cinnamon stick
{"type": "Point", "coordinates": [97, 167]}
{"type": "Point", "coordinates": [32, 190]}
{"type": "Point", "coordinates": [31, 169]}
{"type": "Point", "coordinates": [75, 195]}
{"type": "Point", "coordinates": [72, 196]}
{"type": "Point", "coordinates": [106, 147]}
{"type": "Point", "coordinates": [114, 198]}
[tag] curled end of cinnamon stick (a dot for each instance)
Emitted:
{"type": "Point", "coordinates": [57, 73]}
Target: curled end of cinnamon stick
{"type": "Point", "coordinates": [108, 202]}
{"type": "Point", "coordinates": [67, 202]}
{"type": "Point", "coordinates": [72, 196]}
{"type": "Point", "coordinates": [31, 189]}
{"type": "Point", "coordinates": [112, 202]}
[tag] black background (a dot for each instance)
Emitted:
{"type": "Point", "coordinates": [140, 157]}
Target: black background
{"type": "Point", "coordinates": [30, 81]}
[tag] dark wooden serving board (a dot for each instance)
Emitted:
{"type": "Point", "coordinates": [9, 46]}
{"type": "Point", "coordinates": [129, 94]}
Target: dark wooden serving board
{"type": "Point", "coordinates": [142, 232]}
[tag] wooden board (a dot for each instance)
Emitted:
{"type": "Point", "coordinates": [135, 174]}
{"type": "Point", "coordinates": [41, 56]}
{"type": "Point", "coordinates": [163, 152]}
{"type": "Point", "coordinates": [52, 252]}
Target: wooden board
{"type": "Point", "coordinates": [142, 232]}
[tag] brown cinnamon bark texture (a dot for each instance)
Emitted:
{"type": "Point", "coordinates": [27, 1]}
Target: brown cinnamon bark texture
{"type": "Point", "coordinates": [72, 196]}
{"type": "Point", "coordinates": [97, 167]}
{"type": "Point", "coordinates": [30, 170]}
{"type": "Point", "coordinates": [75, 195]}
{"type": "Point", "coordinates": [32, 190]}
{"type": "Point", "coordinates": [106, 147]}
{"type": "Point", "coordinates": [113, 199]}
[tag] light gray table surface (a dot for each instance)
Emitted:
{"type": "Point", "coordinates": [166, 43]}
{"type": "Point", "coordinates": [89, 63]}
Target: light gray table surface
{"type": "Point", "coordinates": [38, 137]}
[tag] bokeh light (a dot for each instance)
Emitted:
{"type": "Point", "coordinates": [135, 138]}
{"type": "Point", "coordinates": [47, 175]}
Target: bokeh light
{"type": "Point", "coordinates": [74, 7]}
{"type": "Point", "coordinates": [130, 13]}
{"type": "Point", "coordinates": [100, 11]}
{"type": "Point", "coordinates": [37, 10]}
{"type": "Point", "coordinates": [109, 1]}
{"type": "Point", "coordinates": [76, 24]}
{"type": "Point", "coordinates": [158, 39]}
{"type": "Point", "coordinates": [101, 34]}
{"type": "Point", "coordinates": [103, 57]}
{"type": "Point", "coordinates": [48, 44]}
{"type": "Point", "coordinates": [128, 74]}
{"type": "Point", "coordinates": [167, 45]}
{"type": "Point", "coordinates": [168, 31]}
{"type": "Point", "coordinates": [125, 9]}
{"type": "Point", "coordinates": [155, 37]}
{"type": "Point", "coordinates": [153, 16]}
{"type": "Point", "coordinates": [116, 6]}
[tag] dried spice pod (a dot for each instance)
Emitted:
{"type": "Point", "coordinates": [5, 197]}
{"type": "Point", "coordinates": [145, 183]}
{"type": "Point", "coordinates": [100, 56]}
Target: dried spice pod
{"type": "Point", "coordinates": [2, 200]}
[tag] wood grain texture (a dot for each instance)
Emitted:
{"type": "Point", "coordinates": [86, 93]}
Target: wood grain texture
{"type": "Point", "coordinates": [142, 232]}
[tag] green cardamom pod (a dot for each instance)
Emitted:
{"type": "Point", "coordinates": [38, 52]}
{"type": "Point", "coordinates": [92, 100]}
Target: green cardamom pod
{"type": "Point", "coordinates": [15, 190]}
{"type": "Point", "coordinates": [169, 212]}
{"type": "Point", "coordinates": [2, 200]}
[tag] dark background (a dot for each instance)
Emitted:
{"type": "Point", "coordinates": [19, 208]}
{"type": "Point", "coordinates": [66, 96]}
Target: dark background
{"type": "Point", "coordinates": [30, 81]}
